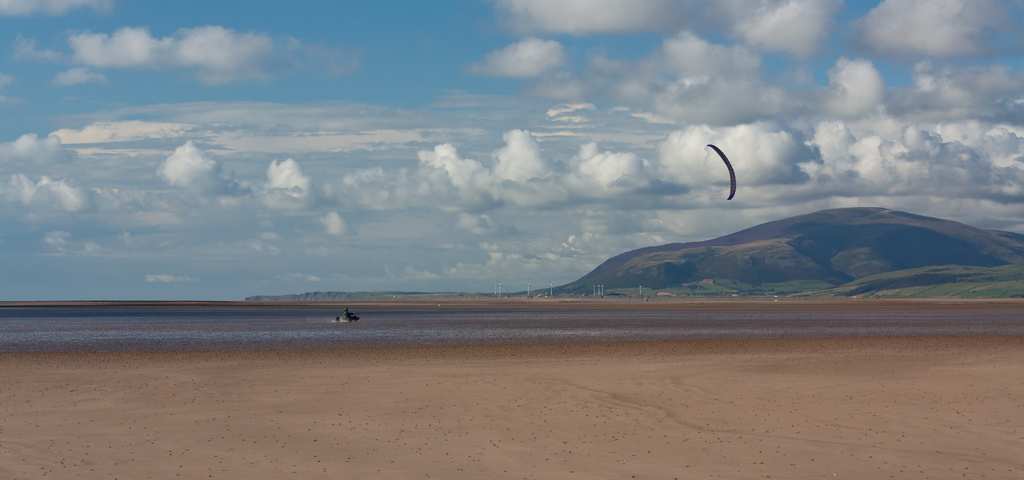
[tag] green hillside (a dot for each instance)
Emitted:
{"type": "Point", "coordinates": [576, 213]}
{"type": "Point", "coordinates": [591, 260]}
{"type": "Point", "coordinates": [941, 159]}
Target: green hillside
{"type": "Point", "coordinates": [942, 281]}
{"type": "Point", "coordinates": [821, 250]}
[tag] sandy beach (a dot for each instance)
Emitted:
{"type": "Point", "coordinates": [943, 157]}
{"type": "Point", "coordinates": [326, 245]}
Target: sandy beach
{"type": "Point", "coordinates": [946, 407]}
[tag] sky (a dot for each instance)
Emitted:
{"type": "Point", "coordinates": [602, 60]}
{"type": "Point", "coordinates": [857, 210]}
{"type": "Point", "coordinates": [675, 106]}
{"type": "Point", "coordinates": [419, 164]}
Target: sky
{"type": "Point", "coordinates": [206, 150]}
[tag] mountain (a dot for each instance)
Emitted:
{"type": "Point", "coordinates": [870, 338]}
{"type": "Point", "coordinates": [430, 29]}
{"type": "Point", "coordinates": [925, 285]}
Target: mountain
{"type": "Point", "coordinates": [820, 250]}
{"type": "Point", "coordinates": [944, 281]}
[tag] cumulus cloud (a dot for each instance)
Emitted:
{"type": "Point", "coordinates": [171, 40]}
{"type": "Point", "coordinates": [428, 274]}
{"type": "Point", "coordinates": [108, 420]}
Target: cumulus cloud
{"type": "Point", "coordinates": [943, 28]}
{"type": "Point", "coordinates": [78, 76]}
{"type": "Point", "coordinates": [28, 49]}
{"type": "Point", "coordinates": [761, 153]}
{"type": "Point", "coordinates": [217, 54]}
{"type": "Point", "coordinates": [954, 161]}
{"type": "Point", "coordinates": [127, 47]}
{"type": "Point", "coordinates": [5, 80]}
{"type": "Point", "coordinates": [47, 194]}
{"type": "Point", "coordinates": [49, 7]}
{"type": "Point", "coordinates": [992, 93]}
{"type": "Point", "coordinates": [855, 88]}
{"type": "Point", "coordinates": [607, 170]}
{"type": "Point", "coordinates": [692, 80]}
{"type": "Point", "coordinates": [519, 176]}
{"type": "Point", "coordinates": [527, 58]}
{"type": "Point", "coordinates": [469, 177]}
{"type": "Point", "coordinates": [793, 26]}
{"type": "Point", "coordinates": [519, 160]}
{"type": "Point", "coordinates": [190, 168]}
{"type": "Point", "coordinates": [333, 224]}
{"type": "Point", "coordinates": [689, 54]}
{"type": "Point", "coordinates": [33, 149]}
{"type": "Point", "coordinates": [582, 17]}
{"type": "Point", "coordinates": [287, 188]}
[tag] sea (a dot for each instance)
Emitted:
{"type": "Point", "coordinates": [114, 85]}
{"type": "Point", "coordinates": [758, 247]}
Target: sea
{"type": "Point", "coordinates": [172, 328]}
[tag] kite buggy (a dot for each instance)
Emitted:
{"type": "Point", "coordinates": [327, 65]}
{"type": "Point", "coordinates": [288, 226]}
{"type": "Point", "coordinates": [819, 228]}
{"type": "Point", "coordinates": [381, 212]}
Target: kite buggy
{"type": "Point", "coordinates": [346, 317]}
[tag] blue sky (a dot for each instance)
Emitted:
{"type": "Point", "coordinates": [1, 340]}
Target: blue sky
{"type": "Point", "coordinates": [202, 150]}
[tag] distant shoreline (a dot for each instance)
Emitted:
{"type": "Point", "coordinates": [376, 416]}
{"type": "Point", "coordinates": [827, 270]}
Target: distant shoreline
{"type": "Point", "coordinates": [578, 302]}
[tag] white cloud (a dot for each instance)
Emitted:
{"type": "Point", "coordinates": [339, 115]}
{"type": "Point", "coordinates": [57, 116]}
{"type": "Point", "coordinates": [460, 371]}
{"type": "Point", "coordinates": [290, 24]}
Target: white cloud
{"type": "Point", "coordinates": [109, 132]}
{"type": "Point", "coordinates": [466, 175]}
{"type": "Point", "coordinates": [1002, 144]}
{"type": "Point", "coordinates": [793, 26]}
{"type": "Point", "coordinates": [287, 188]}
{"type": "Point", "coordinates": [60, 242]}
{"type": "Point", "coordinates": [957, 161]}
{"type": "Point", "coordinates": [125, 131]}
{"type": "Point", "coordinates": [522, 177]}
{"type": "Point", "coordinates": [609, 170]}
{"type": "Point", "coordinates": [33, 148]}
{"type": "Point", "coordinates": [652, 118]}
{"type": "Point", "coordinates": [760, 154]}
{"type": "Point", "coordinates": [222, 54]}
{"type": "Point", "coordinates": [941, 28]}
{"type": "Point", "coordinates": [943, 94]}
{"type": "Point", "coordinates": [527, 58]}
{"type": "Point", "coordinates": [481, 224]}
{"type": "Point", "coordinates": [296, 143]}
{"type": "Point", "coordinates": [855, 88]}
{"type": "Point", "coordinates": [27, 49]}
{"type": "Point", "coordinates": [519, 160]}
{"type": "Point", "coordinates": [281, 128]}
{"type": "Point", "coordinates": [689, 54]}
{"type": "Point", "coordinates": [127, 47]}
{"type": "Point", "coordinates": [78, 76]}
{"type": "Point", "coordinates": [692, 80]}
{"type": "Point", "coordinates": [57, 241]}
{"type": "Point", "coordinates": [569, 112]}
{"type": "Point", "coordinates": [582, 17]}
{"type": "Point", "coordinates": [334, 224]}
{"type": "Point", "coordinates": [5, 80]}
{"type": "Point", "coordinates": [798, 27]}
{"type": "Point", "coordinates": [167, 278]}
{"type": "Point", "coordinates": [51, 7]}
{"type": "Point", "coordinates": [218, 54]}
{"type": "Point", "coordinates": [49, 194]}
{"type": "Point", "coordinates": [190, 168]}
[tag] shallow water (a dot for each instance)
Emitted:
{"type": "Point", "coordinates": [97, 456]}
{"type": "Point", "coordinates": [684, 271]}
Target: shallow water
{"type": "Point", "coordinates": [114, 328]}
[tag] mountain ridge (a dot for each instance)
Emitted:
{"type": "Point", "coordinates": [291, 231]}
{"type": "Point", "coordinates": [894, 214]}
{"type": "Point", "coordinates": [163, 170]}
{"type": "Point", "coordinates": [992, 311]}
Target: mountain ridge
{"type": "Point", "coordinates": [833, 247]}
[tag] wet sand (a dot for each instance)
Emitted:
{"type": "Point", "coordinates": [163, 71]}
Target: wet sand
{"type": "Point", "coordinates": [949, 407]}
